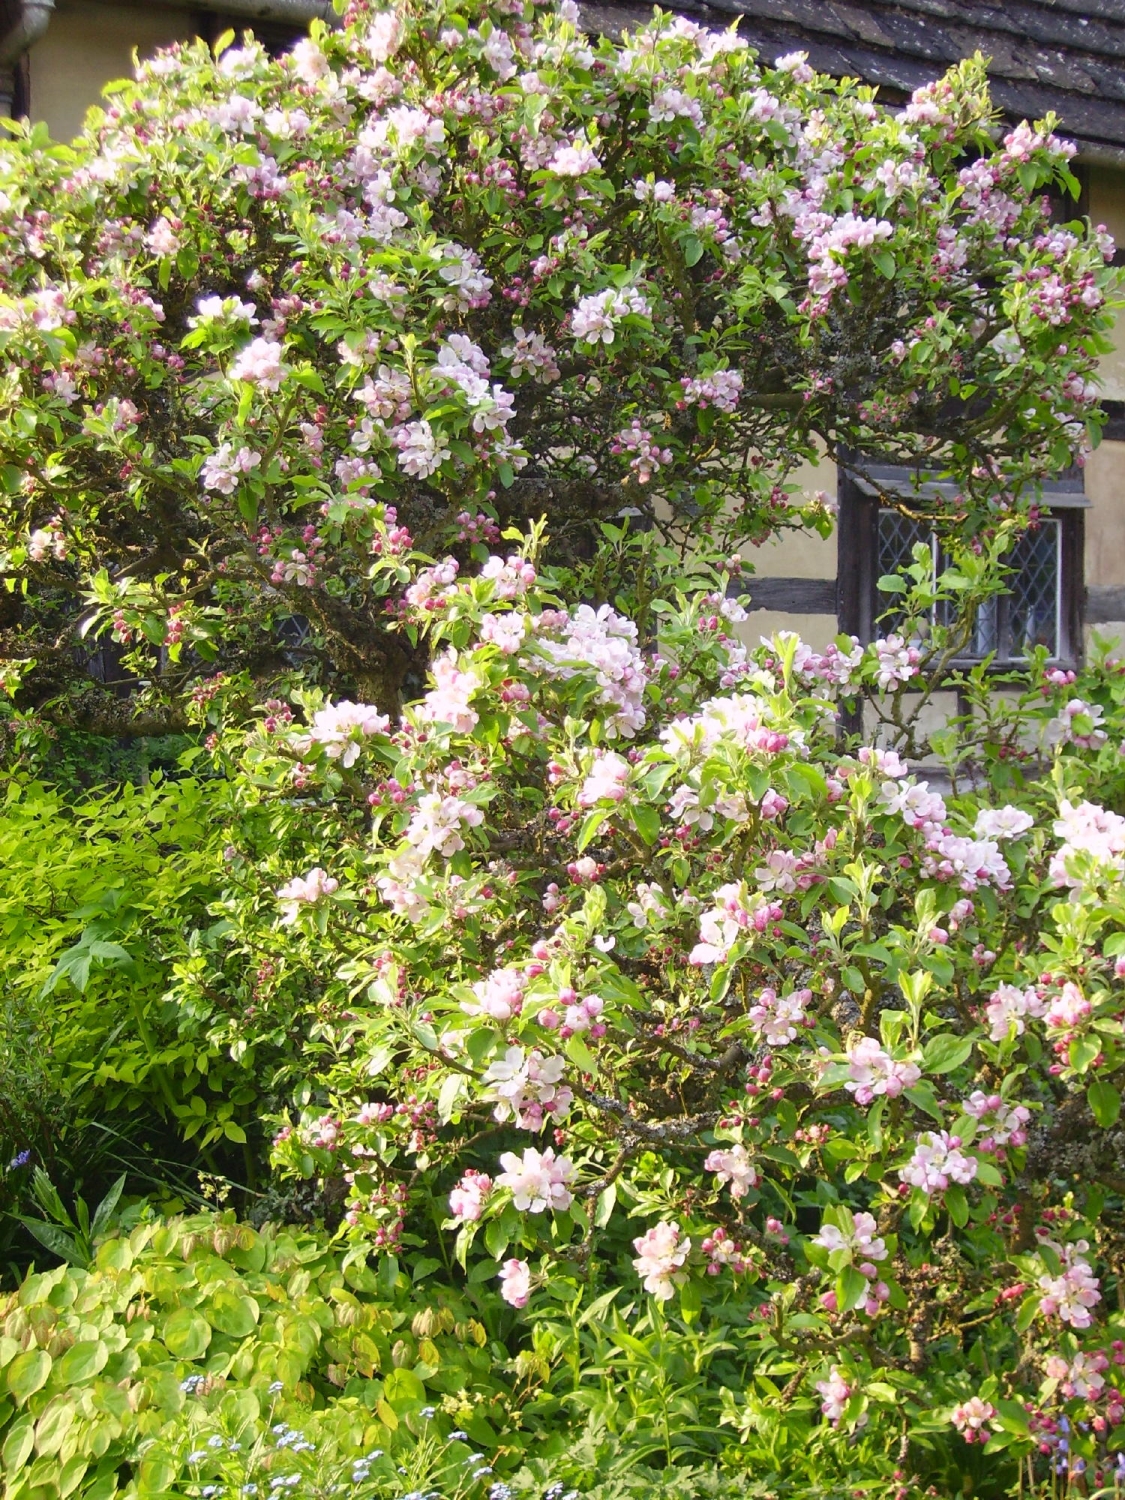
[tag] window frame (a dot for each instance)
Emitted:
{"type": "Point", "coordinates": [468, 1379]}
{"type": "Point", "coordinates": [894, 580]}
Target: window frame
{"type": "Point", "coordinates": [860, 603]}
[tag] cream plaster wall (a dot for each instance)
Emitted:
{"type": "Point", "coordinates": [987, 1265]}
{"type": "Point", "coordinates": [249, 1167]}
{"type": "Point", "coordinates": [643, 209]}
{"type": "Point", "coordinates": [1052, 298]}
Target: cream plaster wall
{"type": "Point", "coordinates": [795, 554]}
{"type": "Point", "coordinates": [1105, 469]}
{"type": "Point", "coordinates": [1107, 206]}
{"type": "Point", "coordinates": [87, 46]}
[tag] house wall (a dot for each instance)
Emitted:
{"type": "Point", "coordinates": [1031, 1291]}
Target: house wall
{"type": "Point", "coordinates": [1105, 469]}
{"type": "Point", "coordinates": [88, 45]}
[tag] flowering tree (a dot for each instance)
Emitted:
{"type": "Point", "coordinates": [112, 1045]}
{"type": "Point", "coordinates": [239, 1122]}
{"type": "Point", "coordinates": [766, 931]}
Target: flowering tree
{"type": "Point", "coordinates": [460, 266]}
{"type": "Point", "coordinates": [619, 973]}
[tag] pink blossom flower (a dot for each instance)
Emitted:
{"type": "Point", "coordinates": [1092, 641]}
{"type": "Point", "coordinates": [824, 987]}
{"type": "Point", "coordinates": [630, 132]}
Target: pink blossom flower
{"type": "Point", "coordinates": [606, 781]}
{"type": "Point", "coordinates": [1002, 823]}
{"type": "Point", "coordinates": [1068, 1009]}
{"type": "Point", "coordinates": [732, 1164]}
{"type": "Point", "coordinates": [447, 702]}
{"type": "Point", "coordinates": [971, 1417]}
{"type": "Point", "coordinates": [777, 1020]}
{"type": "Point", "coordinates": [872, 1072]}
{"type": "Point", "coordinates": [1071, 1294]}
{"type": "Point", "coordinates": [858, 1238]}
{"type": "Point", "coordinates": [339, 730]}
{"type": "Point", "coordinates": [1006, 1009]}
{"type": "Point", "coordinates": [260, 364]}
{"type": "Point", "coordinates": [537, 1180]}
{"type": "Point", "coordinates": [437, 823]}
{"type": "Point", "coordinates": [528, 1087]}
{"type": "Point", "coordinates": [1005, 1123]}
{"type": "Point", "coordinates": [221, 469]}
{"type": "Point", "coordinates": [660, 1254]}
{"type": "Point", "coordinates": [897, 662]}
{"type": "Point", "coordinates": [835, 1394]}
{"type": "Point", "coordinates": [467, 1200]}
{"type": "Point", "coordinates": [499, 997]}
{"type": "Point", "coordinates": [573, 160]}
{"type": "Point", "coordinates": [596, 317]}
{"type": "Point", "coordinates": [303, 890]}
{"type": "Point", "coordinates": [937, 1161]}
{"type": "Point", "coordinates": [515, 1282]}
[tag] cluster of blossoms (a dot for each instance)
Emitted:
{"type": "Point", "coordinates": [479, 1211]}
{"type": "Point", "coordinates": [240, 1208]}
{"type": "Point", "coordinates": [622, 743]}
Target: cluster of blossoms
{"type": "Point", "coordinates": [721, 389]}
{"type": "Point", "coordinates": [661, 1253]}
{"type": "Point", "coordinates": [645, 456]}
{"type": "Point", "coordinates": [1094, 838]}
{"type": "Point", "coordinates": [938, 1161]}
{"type": "Point", "coordinates": [604, 643]}
{"type": "Point", "coordinates": [528, 1088]}
{"type": "Point", "coordinates": [339, 730]}
{"type": "Point", "coordinates": [597, 317]}
{"type": "Point", "coordinates": [1070, 1293]}
{"type": "Point", "coordinates": [537, 1180]}
{"type": "Point", "coordinates": [738, 915]}
{"type": "Point", "coordinates": [873, 1072]}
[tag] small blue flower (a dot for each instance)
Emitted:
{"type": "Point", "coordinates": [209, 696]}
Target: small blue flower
{"type": "Point", "coordinates": [198, 1456]}
{"type": "Point", "coordinates": [20, 1160]}
{"type": "Point", "coordinates": [275, 1386]}
{"type": "Point", "coordinates": [192, 1384]}
{"type": "Point", "coordinates": [215, 1441]}
{"type": "Point", "coordinates": [458, 1437]}
{"type": "Point", "coordinates": [429, 1411]}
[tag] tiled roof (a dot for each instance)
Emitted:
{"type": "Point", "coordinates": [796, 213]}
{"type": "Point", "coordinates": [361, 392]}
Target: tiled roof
{"type": "Point", "coordinates": [1062, 55]}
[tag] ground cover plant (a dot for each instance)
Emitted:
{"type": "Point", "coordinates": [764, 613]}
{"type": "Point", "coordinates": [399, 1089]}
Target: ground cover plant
{"type": "Point", "coordinates": [520, 1042]}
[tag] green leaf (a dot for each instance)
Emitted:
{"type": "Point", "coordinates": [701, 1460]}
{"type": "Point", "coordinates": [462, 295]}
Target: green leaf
{"type": "Point", "coordinates": [497, 1237]}
{"type": "Point", "coordinates": [451, 1090]}
{"type": "Point", "coordinates": [691, 1300]}
{"type": "Point", "coordinates": [957, 1205]}
{"type": "Point", "coordinates": [1104, 1101]}
{"type": "Point", "coordinates": [403, 1388]}
{"type": "Point", "coordinates": [1029, 1307]}
{"type": "Point", "coordinates": [64, 1245]}
{"type": "Point", "coordinates": [851, 1288]}
{"type": "Point", "coordinates": [186, 1335]}
{"type": "Point", "coordinates": [885, 260]}
{"type": "Point", "coordinates": [692, 250]}
{"type": "Point", "coordinates": [1012, 1416]}
{"type": "Point", "coordinates": [104, 1211]}
{"type": "Point", "coordinates": [230, 1312]}
{"type": "Point", "coordinates": [18, 1444]}
{"type": "Point", "coordinates": [590, 825]}
{"type": "Point", "coordinates": [944, 1053]}
{"type": "Point", "coordinates": [579, 1054]}
{"type": "Point", "coordinates": [1083, 1050]}
{"type": "Point", "coordinates": [646, 820]}
{"type": "Point", "coordinates": [81, 1362]}
{"type": "Point", "coordinates": [28, 1373]}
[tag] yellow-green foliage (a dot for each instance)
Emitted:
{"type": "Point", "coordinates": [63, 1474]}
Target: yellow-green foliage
{"type": "Point", "coordinates": [96, 1367]}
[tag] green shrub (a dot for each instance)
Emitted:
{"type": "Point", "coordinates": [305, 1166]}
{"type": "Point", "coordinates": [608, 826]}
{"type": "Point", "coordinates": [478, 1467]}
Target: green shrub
{"type": "Point", "coordinates": [111, 1377]}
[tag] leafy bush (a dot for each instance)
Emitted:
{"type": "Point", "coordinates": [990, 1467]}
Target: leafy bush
{"type": "Point", "coordinates": [116, 1375]}
{"type": "Point", "coordinates": [455, 265]}
{"type": "Point", "coordinates": [616, 973]}
{"type": "Point", "coordinates": [95, 1062]}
